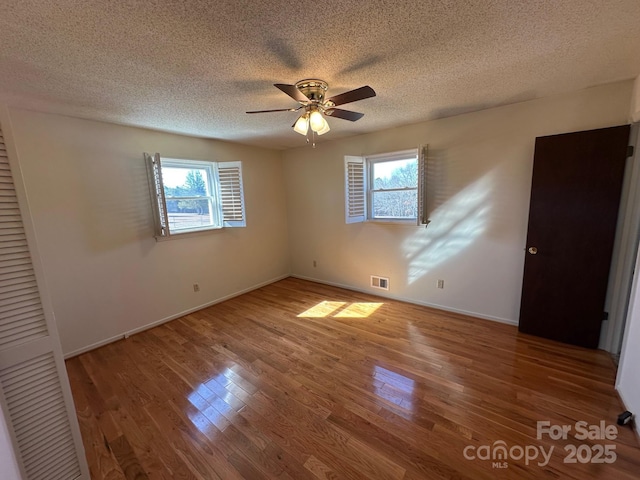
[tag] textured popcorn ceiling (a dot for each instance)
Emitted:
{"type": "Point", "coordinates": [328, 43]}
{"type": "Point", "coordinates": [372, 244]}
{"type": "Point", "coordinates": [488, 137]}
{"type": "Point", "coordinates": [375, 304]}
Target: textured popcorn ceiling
{"type": "Point", "coordinates": [195, 67]}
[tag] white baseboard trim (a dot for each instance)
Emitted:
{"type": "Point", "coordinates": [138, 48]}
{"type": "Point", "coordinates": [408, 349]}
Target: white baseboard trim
{"type": "Point", "coordinates": [128, 333]}
{"type": "Point", "coordinates": [409, 300]}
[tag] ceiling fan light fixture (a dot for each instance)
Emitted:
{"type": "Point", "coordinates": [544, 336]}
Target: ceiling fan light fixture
{"type": "Point", "coordinates": [317, 121]}
{"type": "Point", "coordinates": [302, 124]}
{"type": "Point", "coordinates": [324, 129]}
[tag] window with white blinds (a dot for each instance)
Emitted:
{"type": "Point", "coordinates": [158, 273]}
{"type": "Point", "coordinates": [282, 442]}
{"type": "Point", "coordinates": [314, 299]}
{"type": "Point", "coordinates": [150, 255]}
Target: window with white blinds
{"type": "Point", "coordinates": [193, 195]}
{"type": "Point", "coordinates": [34, 392]}
{"type": "Point", "coordinates": [389, 187]}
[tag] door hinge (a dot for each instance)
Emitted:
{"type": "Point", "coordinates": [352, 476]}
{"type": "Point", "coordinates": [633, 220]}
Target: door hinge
{"type": "Point", "coordinates": [629, 151]}
{"type": "Point", "coordinates": [605, 316]}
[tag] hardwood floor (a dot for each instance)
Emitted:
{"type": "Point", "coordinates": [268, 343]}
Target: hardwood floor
{"type": "Point", "coordinates": [298, 380]}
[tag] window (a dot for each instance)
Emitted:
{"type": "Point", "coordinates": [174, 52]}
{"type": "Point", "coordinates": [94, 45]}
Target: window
{"type": "Point", "coordinates": [394, 188]}
{"type": "Point", "coordinates": [387, 187]}
{"type": "Point", "coordinates": [194, 195]}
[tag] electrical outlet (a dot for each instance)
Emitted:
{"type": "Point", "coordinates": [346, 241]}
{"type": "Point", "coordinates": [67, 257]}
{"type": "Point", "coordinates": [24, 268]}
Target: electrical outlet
{"type": "Point", "coordinates": [315, 264]}
{"type": "Point", "coordinates": [196, 287]}
{"type": "Point", "coordinates": [440, 284]}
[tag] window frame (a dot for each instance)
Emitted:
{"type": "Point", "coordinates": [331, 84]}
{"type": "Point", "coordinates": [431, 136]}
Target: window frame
{"type": "Point", "coordinates": [370, 162]}
{"type": "Point", "coordinates": [212, 187]}
{"type": "Point", "coordinates": [359, 189]}
{"type": "Point", "coordinates": [231, 200]}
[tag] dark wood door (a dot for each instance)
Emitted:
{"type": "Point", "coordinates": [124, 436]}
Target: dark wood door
{"type": "Point", "coordinates": [575, 195]}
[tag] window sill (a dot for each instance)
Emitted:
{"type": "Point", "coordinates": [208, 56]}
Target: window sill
{"type": "Point", "coordinates": [189, 234]}
{"type": "Point", "coordinates": [402, 223]}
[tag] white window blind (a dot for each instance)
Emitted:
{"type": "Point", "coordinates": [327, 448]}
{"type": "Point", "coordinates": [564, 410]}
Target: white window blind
{"type": "Point", "coordinates": [34, 392]}
{"type": "Point", "coordinates": [154, 168]}
{"type": "Point", "coordinates": [231, 194]}
{"type": "Point", "coordinates": [423, 213]}
{"type": "Point", "coordinates": [355, 189]}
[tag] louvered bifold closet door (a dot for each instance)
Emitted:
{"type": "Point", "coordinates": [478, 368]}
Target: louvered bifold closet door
{"type": "Point", "coordinates": [35, 401]}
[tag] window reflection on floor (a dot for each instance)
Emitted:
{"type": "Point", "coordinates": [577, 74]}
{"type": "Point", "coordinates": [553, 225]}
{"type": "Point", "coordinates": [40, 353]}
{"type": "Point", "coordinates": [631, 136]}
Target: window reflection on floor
{"type": "Point", "coordinates": [214, 410]}
{"type": "Point", "coordinates": [394, 387]}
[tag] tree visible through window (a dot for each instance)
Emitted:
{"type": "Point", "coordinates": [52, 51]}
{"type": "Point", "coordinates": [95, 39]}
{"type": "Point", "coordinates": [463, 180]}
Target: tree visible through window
{"type": "Point", "coordinates": [191, 203]}
{"type": "Point", "coordinates": [193, 195]}
{"type": "Point", "coordinates": [395, 189]}
{"type": "Point", "coordinates": [195, 186]}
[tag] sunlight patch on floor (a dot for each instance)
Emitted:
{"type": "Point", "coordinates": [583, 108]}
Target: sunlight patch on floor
{"type": "Point", "coordinates": [358, 310]}
{"type": "Point", "coordinates": [322, 309]}
{"type": "Point", "coordinates": [336, 310]}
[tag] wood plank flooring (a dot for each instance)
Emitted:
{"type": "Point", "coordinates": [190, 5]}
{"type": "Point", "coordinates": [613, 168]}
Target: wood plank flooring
{"type": "Point", "coordinates": [298, 380]}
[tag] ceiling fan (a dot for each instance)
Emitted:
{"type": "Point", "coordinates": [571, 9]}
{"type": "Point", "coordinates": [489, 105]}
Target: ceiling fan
{"type": "Point", "coordinates": [310, 94]}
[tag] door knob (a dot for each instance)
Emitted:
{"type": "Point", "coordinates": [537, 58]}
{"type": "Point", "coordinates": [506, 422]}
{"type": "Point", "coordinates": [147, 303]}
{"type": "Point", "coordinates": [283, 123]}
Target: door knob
{"type": "Point", "coordinates": [533, 250]}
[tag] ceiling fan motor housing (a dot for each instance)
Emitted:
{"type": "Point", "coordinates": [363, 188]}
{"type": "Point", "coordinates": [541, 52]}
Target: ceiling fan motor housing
{"type": "Point", "coordinates": [313, 89]}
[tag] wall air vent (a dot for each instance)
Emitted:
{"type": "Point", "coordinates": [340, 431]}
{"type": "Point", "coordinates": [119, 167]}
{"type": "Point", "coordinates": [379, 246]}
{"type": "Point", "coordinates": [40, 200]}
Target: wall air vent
{"type": "Point", "coordinates": [379, 282]}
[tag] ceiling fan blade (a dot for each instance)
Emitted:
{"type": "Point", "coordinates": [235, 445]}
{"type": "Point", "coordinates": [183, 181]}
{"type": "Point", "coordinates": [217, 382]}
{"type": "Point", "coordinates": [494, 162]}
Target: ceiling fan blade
{"type": "Point", "coordinates": [344, 114]}
{"type": "Point", "coordinates": [352, 95]}
{"type": "Point", "coordinates": [292, 91]}
{"type": "Point", "coordinates": [278, 110]}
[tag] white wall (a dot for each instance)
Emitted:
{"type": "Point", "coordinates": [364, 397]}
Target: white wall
{"type": "Point", "coordinates": [480, 176]}
{"type": "Point", "coordinates": [87, 190]}
{"type": "Point", "coordinates": [628, 381]}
